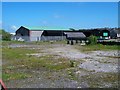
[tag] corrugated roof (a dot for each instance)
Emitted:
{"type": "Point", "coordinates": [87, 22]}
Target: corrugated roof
{"type": "Point", "coordinates": [47, 28]}
{"type": "Point", "coordinates": [75, 34]}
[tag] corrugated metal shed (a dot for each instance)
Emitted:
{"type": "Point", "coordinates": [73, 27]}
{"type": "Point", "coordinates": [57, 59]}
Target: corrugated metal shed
{"type": "Point", "coordinates": [75, 35]}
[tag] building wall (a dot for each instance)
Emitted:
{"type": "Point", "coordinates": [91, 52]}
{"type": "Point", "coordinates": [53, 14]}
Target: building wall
{"type": "Point", "coordinates": [35, 35]}
{"type": "Point", "coordinates": [53, 38]}
{"type": "Point", "coordinates": [53, 33]}
{"type": "Point", "coordinates": [22, 32]}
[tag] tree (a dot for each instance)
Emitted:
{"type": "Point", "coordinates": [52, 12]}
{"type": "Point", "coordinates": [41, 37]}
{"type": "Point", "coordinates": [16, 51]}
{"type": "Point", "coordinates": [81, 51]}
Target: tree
{"type": "Point", "coordinates": [5, 35]}
{"type": "Point", "coordinates": [92, 40]}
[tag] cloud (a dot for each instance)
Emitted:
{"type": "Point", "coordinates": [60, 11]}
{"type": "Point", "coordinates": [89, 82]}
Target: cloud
{"type": "Point", "coordinates": [13, 27]}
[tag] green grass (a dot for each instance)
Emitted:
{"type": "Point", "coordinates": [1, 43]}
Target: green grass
{"type": "Point", "coordinates": [71, 74]}
{"type": "Point", "coordinates": [12, 42]}
{"type": "Point", "coordinates": [14, 76]}
{"type": "Point", "coordinates": [47, 63]}
{"type": "Point", "coordinates": [50, 63]}
{"type": "Point", "coordinates": [15, 53]}
{"type": "Point", "coordinates": [17, 60]}
{"type": "Point", "coordinates": [5, 43]}
{"type": "Point", "coordinates": [48, 42]}
{"type": "Point", "coordinates": [97, 47]}
{"type": "Point", "coordinates": [0, 31]}
{"type": "Point", "coordinates": [96, 80]}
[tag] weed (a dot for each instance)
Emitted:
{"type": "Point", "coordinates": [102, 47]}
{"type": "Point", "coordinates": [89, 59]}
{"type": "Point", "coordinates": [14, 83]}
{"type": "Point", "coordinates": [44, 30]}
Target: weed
{"type": "Point", "coordinates": [13, 76]}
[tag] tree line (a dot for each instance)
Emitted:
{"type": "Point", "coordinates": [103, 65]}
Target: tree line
{"type": "Point", "coordinates": [5, 35]}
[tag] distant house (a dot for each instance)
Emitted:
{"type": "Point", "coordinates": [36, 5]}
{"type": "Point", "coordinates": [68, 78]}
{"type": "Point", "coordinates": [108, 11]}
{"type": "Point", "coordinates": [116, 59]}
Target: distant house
{"type": "Point", "coordinates": [113, 33]}
{"type": "Point", "coordinates": [40, 33]}
{"type": "Point", "coordinates": [99, 33]}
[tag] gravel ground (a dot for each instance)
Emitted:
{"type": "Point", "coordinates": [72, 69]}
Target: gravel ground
{"type": "Point", "coordinates": [90, 63]}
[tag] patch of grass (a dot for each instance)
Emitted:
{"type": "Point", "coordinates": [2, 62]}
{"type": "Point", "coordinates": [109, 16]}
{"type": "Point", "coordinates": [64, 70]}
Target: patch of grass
{"type": "Point", "coordinates": [100, 79]}
{"type": "Point", "coordinates": [14, 76]}
{"type": "Point", "coordinates": [113, 57]}
{"type": "Point", "coordinates": [71, 74]}
{"type": "Point", "coordinates": [97, 47]}
{"type": "Point", "coordinates": [50, 63]}
{"type": "Point", "coordinates": [15, 53]}
{"type": "Point", "coordinates": [48, 42]}
{"type": "Point", "coordinates": [18, 61]}
{"type": "Point", "coordinates": [71, 71]}
{"type": "Point", "coordinates": [5, 43]}
{"type": "Point", "coordinates": [72, 63]}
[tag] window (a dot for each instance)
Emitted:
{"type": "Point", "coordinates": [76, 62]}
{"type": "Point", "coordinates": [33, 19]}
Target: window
{"type": "Point", "coordinates": [105, 34]}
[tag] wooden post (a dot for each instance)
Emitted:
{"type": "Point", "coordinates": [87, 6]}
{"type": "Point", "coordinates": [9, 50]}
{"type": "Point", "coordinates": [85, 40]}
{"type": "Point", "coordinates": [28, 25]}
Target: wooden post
{"type": "Point", "coordinates": [71, 42]}
{"type": "Point", "coordinates": [76, 41]}
{"type": "Point", "coordinates": [68, 42]}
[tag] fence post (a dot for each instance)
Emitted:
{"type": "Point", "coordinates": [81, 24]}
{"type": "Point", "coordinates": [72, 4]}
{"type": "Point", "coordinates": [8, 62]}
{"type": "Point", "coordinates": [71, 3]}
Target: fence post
{"type": "Point", "coordinates": [68, 42]}
{"type": "Point", "coordinates": [71, 42]}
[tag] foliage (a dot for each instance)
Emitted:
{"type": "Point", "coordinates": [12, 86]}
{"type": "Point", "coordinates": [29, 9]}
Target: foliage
{"type": "Point", "coordinates": [5, 35]}
{"type": "Point", "coordinates": [92, 40]}
{"type": "Point", "coordinates": [72, 63]}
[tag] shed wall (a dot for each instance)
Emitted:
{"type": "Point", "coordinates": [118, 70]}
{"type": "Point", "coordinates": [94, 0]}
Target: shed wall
{"type": "Point", "coordinates": [53, 38]}
{"type": "Point", "coordinates": [35, 35]}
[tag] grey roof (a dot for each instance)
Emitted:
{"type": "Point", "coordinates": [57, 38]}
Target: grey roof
{"type": "Point", "coordinates": [75, 34]}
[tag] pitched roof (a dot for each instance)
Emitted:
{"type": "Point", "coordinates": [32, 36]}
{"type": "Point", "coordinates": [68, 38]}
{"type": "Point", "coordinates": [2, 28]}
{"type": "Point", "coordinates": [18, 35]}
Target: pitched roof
{"type": "Point", "coordinates": [47, 28]}
{"type": "Point", "coordinates": [75, 34]}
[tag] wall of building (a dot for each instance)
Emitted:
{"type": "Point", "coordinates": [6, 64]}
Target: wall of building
{"type": "Point", "coordinates": [35, 35]}
{"type": "Point", "coordinates": [20, 38]}
{"type": "Point", "coordinates": [48, 38]}
{"type": "Point", "coordinates": [22, 32]}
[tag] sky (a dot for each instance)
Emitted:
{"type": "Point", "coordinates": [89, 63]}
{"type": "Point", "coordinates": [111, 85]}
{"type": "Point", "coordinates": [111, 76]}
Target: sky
{"type": "Point", "coordinates": [78, 15]}
{"type": "Point", "coordinates": [60, 0]}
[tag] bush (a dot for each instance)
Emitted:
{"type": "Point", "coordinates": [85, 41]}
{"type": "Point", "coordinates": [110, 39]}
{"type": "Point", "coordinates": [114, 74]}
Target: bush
{"type": "Point", "coordinates": [72, 63]}
{"type": "Point", "coordinates": [6, 36]}
{"type": "Point", "coordinates": [92, 40]}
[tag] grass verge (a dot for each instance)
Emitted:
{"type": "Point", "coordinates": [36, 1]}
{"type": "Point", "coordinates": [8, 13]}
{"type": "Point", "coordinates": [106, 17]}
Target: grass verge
{"type": "Point", "coordinates": [97, 47]}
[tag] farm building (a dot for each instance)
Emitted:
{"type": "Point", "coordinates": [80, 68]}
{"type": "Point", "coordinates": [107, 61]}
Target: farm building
{"type": "Point", "coordinates": [40, 33]}
{"type": "Point", "coordinates": [114, 33]}
{"type": "Point", "coordinates": [75, 36]}
{"type": "Point", "coordinates": [50, 33]}
{"type": "Point", "coordinates": [100, 33]}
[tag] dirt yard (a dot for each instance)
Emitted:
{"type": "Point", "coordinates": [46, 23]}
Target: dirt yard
{"type": "Point", "coordinates": [58, 65]}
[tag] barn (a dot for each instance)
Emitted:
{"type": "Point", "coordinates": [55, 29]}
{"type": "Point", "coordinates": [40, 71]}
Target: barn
{"type": "Point", "coordinates": [99, 33]}
{"type": "Point", "coordinates": [75, 36]}
{"type": "Point", "coordinates": [57, 33]}
{"type": "Point", "coordinates": [40, 33]}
